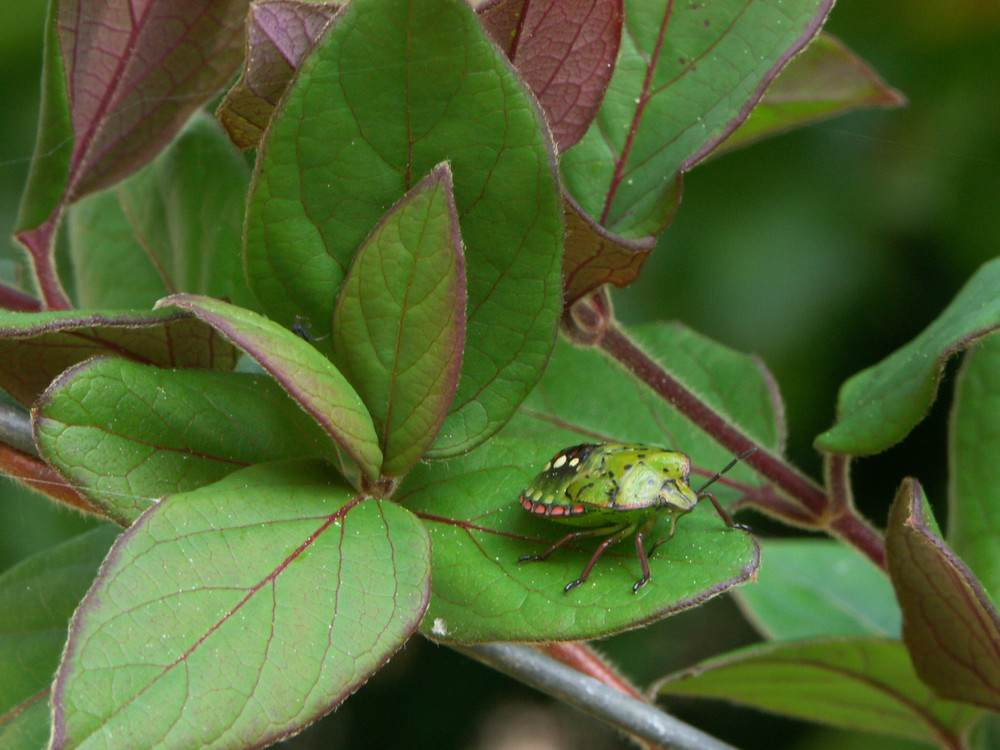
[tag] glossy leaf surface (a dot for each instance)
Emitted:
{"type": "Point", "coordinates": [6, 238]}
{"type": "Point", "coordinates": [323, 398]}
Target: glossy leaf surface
{"type": "Point", "coordinates": [37, 599]}
{"type": "Point", "coordinates": [470, 504]}
{"type": "Point", "coordinates": [280, 33]}
{"type": "Point", "coordinates": [479, 530]}
{"type": "Point", "coordinates": [687, 75]}
{"type": "Point", "coordinates": [824, 80]}
{"type": "Point", "coordinates": [811, 588]}
{"type": "Point", "coordinates": [564, 49]}
{"type": "Point", "coordinates": [974, 472]}
{"type": "Point", "coordinates": [174, 226]}
{"type": "Point", "coordinates": [36, 347]}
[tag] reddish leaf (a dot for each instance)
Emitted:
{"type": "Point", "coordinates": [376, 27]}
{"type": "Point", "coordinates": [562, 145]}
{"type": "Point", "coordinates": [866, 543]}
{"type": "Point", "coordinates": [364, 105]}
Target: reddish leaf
{"type": "Point", "coordinates": [950, 627]}
{"type": "Point", "coordinates": [120, 79]}
{"type": "Point", "coordinates": [595, 256]}
{"type": "Point", "coordinates": [125, 104]}
{"type": "Point", "coordinates": [279, 34]}
{"type": "Point", "coordinates": [565, 50]}
{"type": "Point", "coordinates": [34, 348]}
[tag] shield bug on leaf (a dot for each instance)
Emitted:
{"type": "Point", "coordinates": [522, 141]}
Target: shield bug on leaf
{"type": "Point", "coordinates": [617, 490]}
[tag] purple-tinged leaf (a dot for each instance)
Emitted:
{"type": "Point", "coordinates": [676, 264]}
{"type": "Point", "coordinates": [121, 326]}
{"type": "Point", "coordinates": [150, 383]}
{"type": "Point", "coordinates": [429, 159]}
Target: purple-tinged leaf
{"type": "Point", "coordinates": [123, 79]}
{"type": "Point", "coordinates": [864, 684]}
{"type": "Point", "coordinates": [125, 434]}
{"type": "Point", "coordinates": [950, 626]}
{"type": "Point", "coordinates": [36, 347]}
{"type": "Point", "coordinates": [37, 599]}
{"type": "Point", "coordinates": [136, 70]}
{"type": "Point", "coordinates": [565, 50]}
{"type": "Point", "coordinates": [13, 299]}
{"type": "Point", "coordinates": [237, 614]}
{"type": "Point", "coordinates": [824, 80]}
{"type": "Point", "coordinates": [176, 225]}
{"type": "Point", "coordinates": [594, 256]}
{"type": "Point", "coordinates": [399, 324]}
{"type": "Point", "coordinates": [308, 377]}
{"type": "Point", "coordinates": [280, 33]}
{"type": "Point", "coordinates": [687, 75]}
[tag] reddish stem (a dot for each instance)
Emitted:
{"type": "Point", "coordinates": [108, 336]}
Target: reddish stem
{"type": "Point", "coordinates": [40, 243]}
{"type": "Point", "coordinates": [17, 301]}
{"type": "Point", "coordinates": [635, 360]}
{"type": "Point", "coordinates": [590, 323]}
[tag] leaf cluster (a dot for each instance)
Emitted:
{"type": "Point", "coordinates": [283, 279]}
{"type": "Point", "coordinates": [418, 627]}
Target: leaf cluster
{"type": "Point", "coordinates": [309, 391]}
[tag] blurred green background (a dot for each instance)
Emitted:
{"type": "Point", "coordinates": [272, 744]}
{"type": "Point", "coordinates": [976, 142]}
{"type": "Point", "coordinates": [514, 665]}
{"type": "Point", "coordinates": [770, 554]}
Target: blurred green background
{"type": "Point", "coordinates": [821, 251]}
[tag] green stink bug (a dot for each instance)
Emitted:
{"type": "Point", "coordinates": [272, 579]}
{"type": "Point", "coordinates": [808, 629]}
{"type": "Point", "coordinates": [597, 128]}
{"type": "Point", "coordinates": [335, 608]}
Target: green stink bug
{"type": "Point", "coordinates": [618, 490]}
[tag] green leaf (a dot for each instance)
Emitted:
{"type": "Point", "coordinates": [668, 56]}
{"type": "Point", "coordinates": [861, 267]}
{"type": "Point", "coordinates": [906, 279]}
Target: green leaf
{"type": "Point", "coordinates": [481, 593]}
{"type": "Point", "coordinates": [950, 626]}
{"type": "Point", "coordinates": [174, 226]}
{"type": "Point", "coordinates": [127, 433]}
{"type": "Point", "coordinates": [239, 613]}
{"type": "Point", "coordinates": [444, 93]}
{"type": "Point", "coordinates": [687, 75]}
{"type": "Point", "coordinates": [810, 588]}
{"type": "Point", "coordinates": [587, 394]}
{"type": "Point", "coordinates": [37, 599]}
{"type": "Point", "coordinates": [985, 735]}
{"type": "Point", "coordinates": [54, 148]}
{"type": "Point", "coordinates": [879, 406]}
{"type": "Point", "coordinates": [854, 684]}
{"type": "Point", "coordinates": [479, 529]}
{"type": "Point", "coordinates": [399, 325]}
{"type": "Point", "coordinates": [974, 472]}
{"type": "Point", "coordinates": [36, 347]}
{"type": "Point", "coordinates": [308, 377]}
{"type": "Point", "coordinates": [826, 79]}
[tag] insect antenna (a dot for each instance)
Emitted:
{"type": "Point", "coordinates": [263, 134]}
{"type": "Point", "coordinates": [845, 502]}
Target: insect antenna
{"type": "Point", "coordinates": [727, 467]}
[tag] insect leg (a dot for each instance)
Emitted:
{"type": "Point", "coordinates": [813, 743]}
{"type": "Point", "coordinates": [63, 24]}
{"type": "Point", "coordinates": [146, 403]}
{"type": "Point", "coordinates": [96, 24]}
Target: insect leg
{"type": "Point", "coordinates": [642, 561]}
{"type": "Point", "coordinates": [590, 566]}
{"type": "Point", "coordinates": [723, 514]}
{"type": "Point", "coordinates": [668, 537]}
{"type": "Point", "coordinates": [616, 536]}
{"type": "Point", "coordinates": [554, 547]}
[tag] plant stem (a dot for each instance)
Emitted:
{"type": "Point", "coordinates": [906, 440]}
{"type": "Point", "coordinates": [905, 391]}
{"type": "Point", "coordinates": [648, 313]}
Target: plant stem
{"type": "Point", "coordinates": [634, 717]}
{"type": "Point", "coordinates": [590, 322]}
{"type": "Point", "coordinates": [636, 361]}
